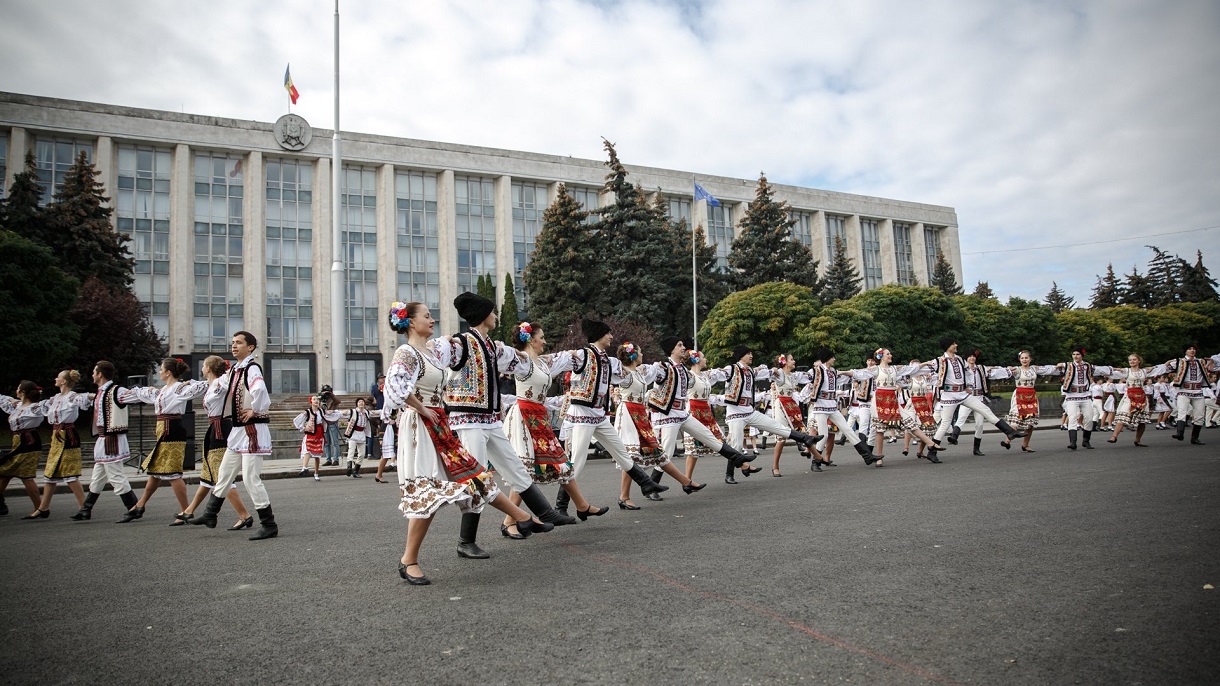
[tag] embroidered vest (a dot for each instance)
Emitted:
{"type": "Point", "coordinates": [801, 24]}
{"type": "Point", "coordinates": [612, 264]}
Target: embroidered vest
{"type": "Point", "coordinates": [114, 412]}
{"type": "Point", "coordinates": [474, 387]}
{"type": "Point", "coordinates": [864, 390]}
{"type": "Point", "coordinates": [664, 398]}
{"type": "Point", "coordinates": [980, 379]}
{"type": "Point", "coordinates": [739, 389]}
{"type": "Point", "coordinates": [1078, 377]}
{"type": "Point", "coordinates": [1183, 364]}
{"type": "Point", "coordinates": [590, 384]}
{"type": "Point", "coordinates": [942, 371]}
{"type": "Point", "coordinates": [236, 399]}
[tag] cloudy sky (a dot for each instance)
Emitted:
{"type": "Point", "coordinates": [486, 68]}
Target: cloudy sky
{"type": "Point", "coordinates": [1092, 125]}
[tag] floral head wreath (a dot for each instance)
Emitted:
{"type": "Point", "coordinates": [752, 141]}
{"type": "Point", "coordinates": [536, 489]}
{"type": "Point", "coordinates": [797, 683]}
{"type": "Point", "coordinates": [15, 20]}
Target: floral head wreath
{"type": "Point", "coordinates": [880, 353]}
{"type": "Point", "coordinates": [400, 317]}
{"type": "Point", "coordinates": [632, 351]}
{"type": "Point", "coordinates": [695, 356]}
{"type": "Point", "coordinates": [781, 360]}
{"type": "Point", "coordinates": [525, 331]}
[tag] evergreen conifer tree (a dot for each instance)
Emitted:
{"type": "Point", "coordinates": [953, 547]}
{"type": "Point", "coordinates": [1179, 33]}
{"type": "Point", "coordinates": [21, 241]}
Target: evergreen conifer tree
{"type": "Point", "coordinates": [842, 280]}
{"type": "Point", "coordinates": [1108, 291]}
{"type": "Point", "coordinates": [983, 290]}
{"type": "Point", "coordinates": [35, 298]}
{"type": "Point", "coordinates": [20, 212]}
{"type": "Point", "coordinates": [1136, 290]}
{"type": "Point", "coordinates": [765, 251]}
{"type": "Point", "coordinates": [508, 311]}
{"type": "Point", "coordinates": [943, 277]}
{"type": "Point", "coordinates": [564, 270]}
{"type": "Point", "coordinates": [1197, 283]}
{"type": "Point", "coordinates": [1164, 277]}
{"type": "Point", "coordinates": [1059, 301]}
{"type": "Point", "coordinates": [79, 230]}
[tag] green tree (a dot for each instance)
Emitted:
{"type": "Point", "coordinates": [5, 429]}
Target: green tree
{"type": "Point", "coordinates": [943, 276]}
{"type": "Point", "coordinates": [842, 279]}
{"type": "Point", "coordinates": [114, 326]}
{"type": "Point", "coordinates": [1156, 334]}
{"type": "Point", "coordinates": [766, 317]}
{"type": "Point", "coordinates": [1107, 292]}
{"type": "Point", "coordinates": [570, 337]}
{"type": "Point", "coordinates": [765, 251]}
{"type": "Point", "coordinates": [1059, 301]}
{"type": "Point", "coordinates": [1137, 290]}
{"type": "Point", "coordinates": [36, 298]}
{"type": "Point", "coordinates": [1105, 342]}
{"type": "Point", "coordinates": [1164, 277]}
{"type": "Point", "coordinates": [1208, 336]}
{"type": "Point", "coordinates": [1001, 331]}
{"type": "Point", "coordinates": [21, 211]}
{"type": "Point", "coordinates": [79, 230]}
{"type": "Point", "coordinates": [564, 270]}
{"type": "Point", "coordinates": [509, 317]}
{"type": "Point", "coordinates": [1197, 283]}
{"type": "Point", "coordinates": [843, 327]}
{"type": "Point", "coordinates": [911, 318]}
{"type": "Point", "coordinates": [983, 290]}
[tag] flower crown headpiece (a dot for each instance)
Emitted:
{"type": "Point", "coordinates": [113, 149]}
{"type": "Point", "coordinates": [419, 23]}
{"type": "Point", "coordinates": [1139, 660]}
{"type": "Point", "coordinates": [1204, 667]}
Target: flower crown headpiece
{"type": "Point", "coordinates": [632, 351]}
{"type": "Point", "coordinates": [525, 331]}
{"type": "Point", "coordinates": [695, 356]}
{"type": "Point", "coordinates": [879, 353]}
{"type": "Point", "coordinates": [400, 318]}
{"type": "Point", "coordinates": [781, 360]}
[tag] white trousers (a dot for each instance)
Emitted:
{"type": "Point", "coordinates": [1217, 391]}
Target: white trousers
{"type": "Point", "coordinates": [756, 419]}
{"type": "Point", "coordinates": [693, 428]}
{"type": "Point", "coordinates": [823, 420]}
{"type": "Point", "coordinates": [971, 402]}
{"type": "Point", "coordinates": [964, 415]}
{"type": "Point", "coordinates": [1190, 406]}
{"type": "Point", "coordinates": [356, 450]}
{"type": "Point", "coordinates": [1080, 414]}
{"type": "Point", "coordinates": [109, 471]}
{"type": "Point", "coordinates": [492, 446]}
{"type": "Point", "coordinates": [862, 418]}
{"type": "Point", "coordinates": [251, 467]}
{"type": "Point", "coordinates": [581, 435]}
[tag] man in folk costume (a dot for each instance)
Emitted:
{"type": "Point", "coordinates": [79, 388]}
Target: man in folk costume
{"type": "Point", "coordinates": [952, 391]}
{"type": "Point", "coordinates": [472, 399]}
{"type": "Point", "coordinates": [246, 405]}
{"type": "Point", "coordinates": [860, 413]}
{"type": "Point", "coordinates": [110, 427]}
{"type": "Point", "coordinates": [670, 408]}
{"type": "Point", "coordinates": [740, 386]}
{"type": "Point", "coordinates": [978, 378]}
{"type": "Point", "coordinates": [822, 396]}
{"type": "Point", "coordinates": [1189, 378]}
{"type": "Point", "coordinates": [588, 401]}
{"type": "Point", "coordinates": [1078, 397]}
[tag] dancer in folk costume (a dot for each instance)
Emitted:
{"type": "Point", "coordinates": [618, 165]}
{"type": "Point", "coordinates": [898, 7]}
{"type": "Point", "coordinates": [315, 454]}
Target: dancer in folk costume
{"type": "Point", "coordinates": [918, 392]}
{"type": "Point", "coordinates": [434, 468]}
{"type": "Point", "coordinates": [1097, 395]}
{"type": "Point", "coordinates": [860, 406]}
{"type": "Point", "coordinates": [25, 414]}
{"type": "Point", "coordinates": [246, 404]}
{"type": "Point", "coordinates": [1166, 401]}
{"type": "Point", "coordinates": [593, 372]}
{"type": "Point", "coordinates": [1078, 396]}
{"type": "Point", "coordinates": [823, 397]}
{"type": "Point", "coordinates": [701, 400]}
{"type": "Point", "coordinates": [472, 395]}
{"type": "Point", "coordinates": [111, 449]}
{"type": "Point", "coordinates": [952, 391]}
{"type": "Point", "coordinates": [978, 379]}
{"type": "Point", "coordinates": [528, 426]}
{"type": "Point", "coordinates": [632, 422]}
{"type": "Point", "coordinates": [1024, 409]}
{"type": "Point", "coordinates": [215, 443]}
{"type": "Point", "coordinates": [740, 386]}
{"type": "Point", "coordinates": [358, 429]}
{"type": "Point", "coordinates": [890, 409]}
{"type": "Point", "coordinates": [1133, 407]}
{"type": "Point", "coordinates": [389, 449]}
{"type": "Point", "coordinates": [1189, 379]}
{"type": "Point", "coordinates": [311, 422]}
{"type": "Point", "coordinates": [1110, 390]}
{"type": "Point", "coordinates": [63, 459]}
{"type": "Point", "coordinates": [786, 411]}
{"type": "Point", "coordinates": [168, 456]}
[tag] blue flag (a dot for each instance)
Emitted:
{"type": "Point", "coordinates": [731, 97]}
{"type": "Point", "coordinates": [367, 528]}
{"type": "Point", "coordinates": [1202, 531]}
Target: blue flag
{"type": "Point", "coordinates": [701, 194]}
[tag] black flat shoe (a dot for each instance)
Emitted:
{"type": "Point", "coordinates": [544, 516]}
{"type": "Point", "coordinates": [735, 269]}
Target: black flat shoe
{"type": "Point", "coordinates": [1141, 445]}
{"type": "Point", "coordinates": [508, 534]}
{"type": "Point", "coordinates": [650, 496]}
{"type": "Point", "coordinates": [828, 463]}
{"type": "Point", "coordinates": [583, 515]}
{"type": "Point", "coordinates": [379, 480]}
{"type": "Point", "coordinates": [131, 515]}
{"type": "Point", "coordinates": [243, 524]}
{"type": "Point", "coordinates": [413, 580]}
{"type": "Point", "coordinates": [38, 514]}
{"type": "Point", "coordinates": [1027, 450]}
{"type": "Point", "coordinates": [751, 470]}
{"type": "Point", "coordinates": [691, 488]}
{"type": "Point", "coordinates": [624, 505]}
{"type": "Point", "coordinates": [775, 472]}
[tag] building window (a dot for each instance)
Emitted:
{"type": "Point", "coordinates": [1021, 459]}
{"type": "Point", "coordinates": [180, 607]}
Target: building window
{"type": "Point", "coordinates": [419, 271]}
{"type": "Point", "coordinates": [361, 373]}
{"type": "Point", "coordinates": [902, 254]}
{"type": "Point", "coordinates": [931, 242]}
{"type": "Point", "coordinates": [360, 257]}
{"type": "Point", "coordinates": [218, 250]}
{"type": "Point", "coordinates": [142, 213]}
{"type": "Point", "coordinates": [679, 209]}
{"type": "Point", "coordinates": [3, 165]}
{"type": "Point", "coordinates": [476, 230]}
{"type": "Point", "coordinates": [289, 257]}
{"type": "Point", "coordinates": [720, 233]}
{"type": "Point", "coordinates": [290, 375]}
{"type": "Point", "coordinates": [836, 227]}
{"type": "Point", "coordinates": [529, 202]}
{"type": "Point", "coordinates": [871, 241]}
{"type": "Point", "coordinates": [53, 159]}
{"type": "Point", "coordinates": [588, 199]}
{"type": "Point", "coordinates": [802, 230]}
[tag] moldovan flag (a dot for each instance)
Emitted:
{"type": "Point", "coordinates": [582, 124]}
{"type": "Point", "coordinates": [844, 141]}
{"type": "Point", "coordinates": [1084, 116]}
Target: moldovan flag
{"type": "Point", "coordinates": [292, 90]}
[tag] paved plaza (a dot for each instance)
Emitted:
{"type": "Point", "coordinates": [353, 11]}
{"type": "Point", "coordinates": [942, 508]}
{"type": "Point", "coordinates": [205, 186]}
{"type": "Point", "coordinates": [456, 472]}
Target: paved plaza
{"type": "Point", "coordinates": [1053, 568]}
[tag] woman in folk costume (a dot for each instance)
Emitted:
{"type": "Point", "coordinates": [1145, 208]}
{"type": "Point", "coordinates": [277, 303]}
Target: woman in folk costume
{"type": "Point", "coordinates": [357, 432]}
{"type": "Point", "coordinates": [1023, 411]}
{"type": "Point", "coordinates": [823, 397]}
{"type": "Point", "coordinates": [1189, 378]}
{"type": "Point", "coordinates": [111, 448]}
{"type": "Point", "coordinates": [63, 459]}
{"type": "Point", "coordinates": [1078, 395]}
{"type": "Point", "coordinates": [643, 415]}
{"type": "Point", "coordinates": [1133, 406]}
{"type": "Point", "coordinates": [1164, 401]}
{"type": "Point", "coordinates": [25, 414]}
{"type": "Point", "coordinates": [389, 419]}
{"type": "Point", "coordinates": [312, 423]}
{"type": "Point", "coordinates": [1109, 405]}
{"type": "Point", "coordinates": [215, 442]}
{"type": "Point", "coordinates": [919, 395]}
{"type": "Point", "coordinates": [701, 409]}
{"type": "Point", "coordinates": [891, 412]}
{"type": "Point", "coordinates": [165, 461]}
{"type": "Point", "coordinates": [785, 381]}
{"type": "Point", "coordinates": [434, 469]}
{"type": "Point", "coordinates": [528, 426]}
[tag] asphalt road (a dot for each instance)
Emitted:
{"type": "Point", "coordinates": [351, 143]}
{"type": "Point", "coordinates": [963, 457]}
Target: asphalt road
{"type": "Point", "coordinates": [1052, 568]}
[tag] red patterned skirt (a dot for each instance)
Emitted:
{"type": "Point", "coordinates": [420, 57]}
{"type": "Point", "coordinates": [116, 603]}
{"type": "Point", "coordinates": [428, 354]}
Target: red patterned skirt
{"type": "Point", "coordinates": [701, 410]}
{"type": "Point", "coordinates": [1133, 408]}
{"type": "Point", "coordinates": [460, 465]}
{"type": "Point", "coordinates": [923, 410]}
{"type": "Point", "coordinates": [1024, 411]}
{"type": "Point", "coordinates": [648, 452]}
{"type": "Point", "coordinates": [792, 411]}
{"type": "Point", "coordinates": [888, 416]}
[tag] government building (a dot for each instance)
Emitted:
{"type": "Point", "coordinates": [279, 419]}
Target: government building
{"type": "Point", "coordinates": [230, 224]}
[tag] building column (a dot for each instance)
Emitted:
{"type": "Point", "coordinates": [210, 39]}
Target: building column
{"type": "Point", "coordinates": [855, 245]}
{"type": "Point", "coordinates": [103, 161]}
{"type": "Point", "coordinates": [737, 212]}
{"type": "Point", "coordinates": [387, 256]}
{"type": "Point", "coordinates": [950, 245]}
{"type": "Point", "coordinates": [18, 143]}
{"type": "Point", "coordinates": [504, 234]}
{"type": "Point", "coordinates": [254, 245]}
{"type": "Point", "coordinates": [919, 255]}
{"type": "Point", "coordinates": [446, 232]}
{"type": "Point", "coordinates": [817, 230]}
{"type": "Point", "coordinates": [552, 193]}
{"type": "Point", "coordinates": [323, 252]}
{"type": "Point", "coordinates": [889, 251]}
{"type": "Point", "coordinates": [181, 251]}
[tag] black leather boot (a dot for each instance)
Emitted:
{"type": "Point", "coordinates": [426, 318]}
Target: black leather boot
{"type": "Point", "coordinates": [1181, 434]}
{"type": "Point", "coordinates": [267, 526]}
{"type": "Point", "coordinates": [932, 455]}
{"type": "Point", "coordinates": [561, 502]}
{"type": "Point", "coordinates": [466, 537]}
{"type": "Point", "coordinates": [1194, 434]}
{"type": "Point", "coordinates": [656, 475]}
{"type": "Point", "coordinates": [1087, 436]}
{"type": "Point", "coordinates": [1005, 427]}
{"type": "Point", "coordinates": [647, 485]}
{"type": "Point", "coordinates": [211, 508]}
{"type": "Point", "coordinates": [538, 504]}
{"type": "Point", "coordinates": [978, 443]}
{"type": "Point", "coordinates": [957, 431]}
{"type": "Point", "coordinates": [1071, 439]}
{"type": "Point", "coordinates": [86, 510]}
{"type": "Point", "coordinates": [129, 499]}
{"type": "Point", "coordinates": [729, 471]}
{"type": "Point", "coordinates": [805, 439]}
{"type": "Point", "coordinates": [735, 458]}
{"type": "Point", "coordinates": [869, 457]}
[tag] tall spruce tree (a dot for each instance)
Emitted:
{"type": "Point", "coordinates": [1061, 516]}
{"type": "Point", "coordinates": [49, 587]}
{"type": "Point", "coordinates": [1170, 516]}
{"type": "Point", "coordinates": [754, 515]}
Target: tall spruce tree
{"type": "Point", "coordinates": [79, 230]}
{"type": "Point", "coordinates": [1059, 301]}
{"type": "Point", "coordinates": [943, 276]}
{"type": "Point", "coordinates": [508, 312]}
{"type": "Point", "coordinates": [1198, 286]}
{"type": "Point", "coordinates": [842, 280]}
{"type": "Point", "coordinates": [564, 270]}
{"type": "Point", "coordinates": [1108, 291]}
{"type": "Point", "coordinates": [20, 212]}
{"type": "Point", "coordinates": [765, 251]}
{"type": "Point", "coordinates": [114, 326]}
{"type": "Point", "coordinates": [1136, 290]}
{"type": "Point", "coordinates": [35, 298]}
{"type": "Point", "coordinates": [983, 290]}
{"type": "Point", "coordinates": [1164, 277]}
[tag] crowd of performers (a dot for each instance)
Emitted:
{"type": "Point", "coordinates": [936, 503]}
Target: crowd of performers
{"type": "Point", "coordinates": [448, 427]}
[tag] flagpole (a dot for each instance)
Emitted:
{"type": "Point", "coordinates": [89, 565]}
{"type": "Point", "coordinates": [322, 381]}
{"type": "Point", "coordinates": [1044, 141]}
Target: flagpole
{"type": "Point", "coordinates": [338, 316]}
{"type": "Point", "coordinates": [694, 277]}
